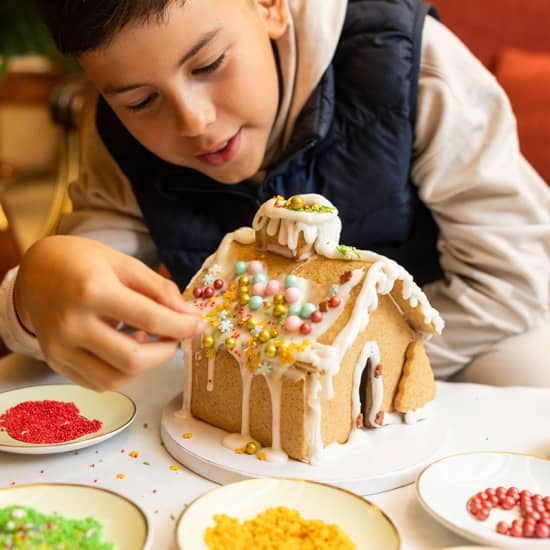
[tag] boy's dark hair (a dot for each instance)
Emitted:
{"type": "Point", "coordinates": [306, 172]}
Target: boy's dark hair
{"type": "Point", "coordinates": [78, 26]}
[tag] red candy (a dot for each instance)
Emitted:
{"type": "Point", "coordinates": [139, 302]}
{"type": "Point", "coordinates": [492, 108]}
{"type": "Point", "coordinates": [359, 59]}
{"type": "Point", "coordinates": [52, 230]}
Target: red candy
{"type": "Point", "coordinates": [305, 328]}
{"type": "Point", "coordinates": [197, 292]}
{"type": "Point", "coordinates": [208, 292]}
{"type": "Point", "coordinates": [534, 509]}
{"type": "Point", "coordinates": [334, 301]}
{"type": "Point", "coordinates": [218, 284]}
{"type": "Point", "coordinates": [316, 316]}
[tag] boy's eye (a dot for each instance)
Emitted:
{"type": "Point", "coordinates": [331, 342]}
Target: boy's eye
{"type": "Point", "coordinates": [142, 104]}
{"type": "Point", "coordinates": [212, 67]}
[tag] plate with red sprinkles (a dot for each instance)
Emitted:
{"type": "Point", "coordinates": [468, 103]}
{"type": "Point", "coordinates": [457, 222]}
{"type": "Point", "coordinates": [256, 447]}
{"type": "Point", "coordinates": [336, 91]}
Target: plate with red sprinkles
{"type": "Point", "coordinates": [60, 418]}
{"type": "Point", "coordinates": [496, 498]}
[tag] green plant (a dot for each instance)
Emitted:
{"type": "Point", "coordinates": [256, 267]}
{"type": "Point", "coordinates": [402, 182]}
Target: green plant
{"type": "Point", "coordinates": [22, 31]}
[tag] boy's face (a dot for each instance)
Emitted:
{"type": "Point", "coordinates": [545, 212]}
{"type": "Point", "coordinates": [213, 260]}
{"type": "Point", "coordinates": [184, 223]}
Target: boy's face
{"type": "Point", "coordinates": [199, 89]}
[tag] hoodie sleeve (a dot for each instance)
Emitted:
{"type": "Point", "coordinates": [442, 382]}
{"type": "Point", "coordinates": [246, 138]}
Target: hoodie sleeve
{"type": "Point", "coordinates": [492, 208]}
{"type": "Point", "coordinates": [104, 209]}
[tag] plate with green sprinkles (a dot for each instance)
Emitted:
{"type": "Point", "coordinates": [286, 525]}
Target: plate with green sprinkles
{"type": "Point", "coordinates": [55, 516]}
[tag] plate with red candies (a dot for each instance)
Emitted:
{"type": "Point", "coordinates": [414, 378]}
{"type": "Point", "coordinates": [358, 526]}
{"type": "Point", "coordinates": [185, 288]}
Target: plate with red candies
{"type": "Point", "coordinates": [494, 498]}
{"type": "Point", "coordinates": [58, 418]}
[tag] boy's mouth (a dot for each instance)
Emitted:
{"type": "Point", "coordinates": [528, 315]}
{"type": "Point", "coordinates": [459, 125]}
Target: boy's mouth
{"type": "Point", "coordinates": [222, 153]}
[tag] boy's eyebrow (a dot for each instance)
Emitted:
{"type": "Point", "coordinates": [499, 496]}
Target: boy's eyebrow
{"type": "Point", "coordinates": [199, 45]}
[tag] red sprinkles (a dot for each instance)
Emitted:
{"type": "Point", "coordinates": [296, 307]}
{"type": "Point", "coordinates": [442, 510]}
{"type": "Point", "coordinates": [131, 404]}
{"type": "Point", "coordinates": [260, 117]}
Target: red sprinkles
{"type": "Point", "coordinates": [46, 422]}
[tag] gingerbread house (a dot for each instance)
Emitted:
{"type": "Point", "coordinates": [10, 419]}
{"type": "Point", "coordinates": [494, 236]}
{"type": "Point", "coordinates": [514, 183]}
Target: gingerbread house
{"type": "Point", "coordinates": [308, 341]}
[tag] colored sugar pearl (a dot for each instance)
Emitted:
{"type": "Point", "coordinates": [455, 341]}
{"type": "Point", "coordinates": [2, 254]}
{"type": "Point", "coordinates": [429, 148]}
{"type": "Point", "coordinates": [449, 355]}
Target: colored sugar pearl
{"type": "Point", "coordinates": [294, 309]}
{"type": "Point", "coordinates": [208, 292]}
{"type": "Point", "coordinates": [255, 266]}
{"type": "Point", "coordinates": [197, 292]}
{"type": "Point", "coordinates": [273, 287]}
{"type": "Point", "coordinates": [218, 284]}
{"type": "Point", "coordinates": [292, 295]}
{"type": "Point", "coordinates": [279, 310]}
{"type": "Point", "coordinates": [334, 301]}
{"type": "Point", "coordinates": [305, 328]}
{"type": "Point", "coordinates": [255, 302]}
{"type": "Point", "coordinates": [307, 310]}
{"type": "Point", "coordinates": [258, 289]}
{"type": "Point", "coordinates": [259, 278]}
{"type": "Point", "coordinates": [293, 323]}
{"type": "Point", "coordinates": [316, 316]}
{"type": "Point", "coordinates": [291, 281]}
{"type": "Point", "coordinates": [240, 268]}
{"type": "Point", "coordinates": [230, 343]}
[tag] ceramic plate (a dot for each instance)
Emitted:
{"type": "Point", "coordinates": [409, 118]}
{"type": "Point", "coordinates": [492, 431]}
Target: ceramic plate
{"type": "Point", "coordinates": [445, 487]}
{"type": "Point", "coordinates": [124, 523]}
{"type": "Point", "coordinates": [114, 409]}
{"type": "Point", "coordinates": [361, 520]}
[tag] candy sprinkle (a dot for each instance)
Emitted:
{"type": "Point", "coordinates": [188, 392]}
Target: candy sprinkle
{"type": "Point", "coordinates": [187, 435]}
{"type": "Point", "coordinates": [121, 476]}
{"type": "Point", "coordinates": [47, 421]}
{"type": "Point", "coordinates": [133, 454]}
{"type": "Point", "coordinates": [175, 467]}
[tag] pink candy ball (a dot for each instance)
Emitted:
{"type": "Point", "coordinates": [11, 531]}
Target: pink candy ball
{"type": "Point", "coordinates": [293, 323]}
{"type": "Point", "coordinates": [273, 287]}
{"type": "Point", "coordinates": [258, 289]}
{"type": "Point", "coordinates": [292, 295]}
{"type": "Point", "coordinates": [255, 266]}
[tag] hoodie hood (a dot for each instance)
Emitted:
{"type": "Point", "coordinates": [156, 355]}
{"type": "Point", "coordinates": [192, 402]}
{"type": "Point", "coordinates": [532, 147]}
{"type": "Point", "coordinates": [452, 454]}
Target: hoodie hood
{"type": "Point", "coordinates": [304, 52]}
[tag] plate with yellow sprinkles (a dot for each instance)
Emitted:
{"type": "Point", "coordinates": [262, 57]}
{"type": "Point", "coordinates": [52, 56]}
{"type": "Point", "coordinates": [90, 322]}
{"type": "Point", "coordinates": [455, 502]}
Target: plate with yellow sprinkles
{"type": "Point", "coordinates": [276, 514]}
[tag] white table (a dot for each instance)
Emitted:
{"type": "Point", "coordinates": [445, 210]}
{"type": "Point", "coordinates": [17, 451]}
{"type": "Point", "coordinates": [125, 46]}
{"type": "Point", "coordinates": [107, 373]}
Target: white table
{"type": "Point", "coordinates": [479, 418]}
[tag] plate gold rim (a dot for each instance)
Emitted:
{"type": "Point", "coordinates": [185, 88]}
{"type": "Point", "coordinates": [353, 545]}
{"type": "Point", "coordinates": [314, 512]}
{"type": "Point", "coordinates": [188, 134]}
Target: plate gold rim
{"type": "Point", "coordinates": [92, 437]}
{"type": "Point", "coordinates": [365, 501]}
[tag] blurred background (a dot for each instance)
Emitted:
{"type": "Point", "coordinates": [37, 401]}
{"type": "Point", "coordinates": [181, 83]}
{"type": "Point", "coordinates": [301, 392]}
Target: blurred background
{"type": "Point", "coordinates": [43, 101]}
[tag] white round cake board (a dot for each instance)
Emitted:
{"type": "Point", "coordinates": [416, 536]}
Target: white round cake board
{"type": "Point", "coordinates": [383, 459]}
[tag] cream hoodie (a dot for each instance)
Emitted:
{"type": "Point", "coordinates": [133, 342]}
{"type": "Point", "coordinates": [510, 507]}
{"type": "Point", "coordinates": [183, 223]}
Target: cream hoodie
{"type": "Point", "coordinates": [492, 209]}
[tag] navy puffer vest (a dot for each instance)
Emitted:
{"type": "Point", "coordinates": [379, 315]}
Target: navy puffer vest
{"type": "Point", "coordinates": [352, 143]}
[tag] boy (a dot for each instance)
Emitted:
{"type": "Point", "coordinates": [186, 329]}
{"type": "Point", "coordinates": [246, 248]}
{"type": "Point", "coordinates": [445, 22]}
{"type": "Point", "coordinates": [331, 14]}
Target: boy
{"type": "Point", "coordinates": [209, 107]}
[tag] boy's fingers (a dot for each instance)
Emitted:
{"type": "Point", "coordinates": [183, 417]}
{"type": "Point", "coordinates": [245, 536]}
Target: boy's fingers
{"type": "Point", "coordinates": [123, 352]}
{"type": "Point", "coordinates": [160, 289]}
{"type": "Point", "coordinates": [143, 313]}
{"type": "Point", "coordinates": [90, 371]}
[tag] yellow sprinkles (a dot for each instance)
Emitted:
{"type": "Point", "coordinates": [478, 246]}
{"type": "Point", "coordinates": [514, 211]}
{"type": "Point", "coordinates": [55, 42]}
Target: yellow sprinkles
{"type": "Point", "coordinates": [277, 528]}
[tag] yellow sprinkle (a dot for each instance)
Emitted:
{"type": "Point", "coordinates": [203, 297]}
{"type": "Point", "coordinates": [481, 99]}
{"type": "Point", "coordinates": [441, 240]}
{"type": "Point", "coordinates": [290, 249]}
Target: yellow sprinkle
{"type": "Point", "coordinates": [187, 435]}
{"type": "Point", "coordinates": [174, 467]}
{"type": "Point", "coordinates": [134, 454]}
{"type": "Point", "coordinates": [121, 476]}
{"type": "Point", "coordinates": [239, 451]}
{"type": "Point", "coordinates": [261, 455]}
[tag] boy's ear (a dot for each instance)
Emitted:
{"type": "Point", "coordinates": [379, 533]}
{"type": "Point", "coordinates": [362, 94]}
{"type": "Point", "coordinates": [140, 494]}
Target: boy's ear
{"type": "Point", "coordinates": [275, 16]}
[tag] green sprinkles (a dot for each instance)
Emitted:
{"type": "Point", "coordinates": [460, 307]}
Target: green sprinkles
{"type": "Point", "coordinates": [27, 529]}
{"type": "Point", "coordinates": [349, 252]}
{"type": "Point", "coordinates": [146, 463]}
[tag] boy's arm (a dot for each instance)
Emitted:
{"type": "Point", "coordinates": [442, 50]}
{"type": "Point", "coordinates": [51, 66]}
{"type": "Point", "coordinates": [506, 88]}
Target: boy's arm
{"type": "Point", "coordinates": [492, 209]}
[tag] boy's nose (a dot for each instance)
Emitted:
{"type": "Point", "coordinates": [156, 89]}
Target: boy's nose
{"type": "Point", "coordinates": [194, 118]}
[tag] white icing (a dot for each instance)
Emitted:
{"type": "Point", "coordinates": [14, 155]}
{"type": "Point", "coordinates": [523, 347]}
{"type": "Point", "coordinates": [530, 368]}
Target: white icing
{"type": "Point", "coordinates": [411, 417]}
{"type": "Point", "coordinates": [322, 231]}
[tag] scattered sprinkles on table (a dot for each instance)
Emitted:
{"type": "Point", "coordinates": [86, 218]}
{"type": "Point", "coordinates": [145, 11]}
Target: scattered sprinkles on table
{"type": "Point", "coordinates": [26, 528]}
{"type": "Point", "coordinates": [275, 528]}
{"type": "Point", "coordinates": [46, 421]}
{"type": "Point", "coordinates": [534, 511]}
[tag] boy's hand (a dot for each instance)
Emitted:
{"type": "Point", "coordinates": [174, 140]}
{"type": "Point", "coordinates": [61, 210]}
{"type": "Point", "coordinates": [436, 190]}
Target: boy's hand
{"type": "Point", "coordinates": [72, 292]}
